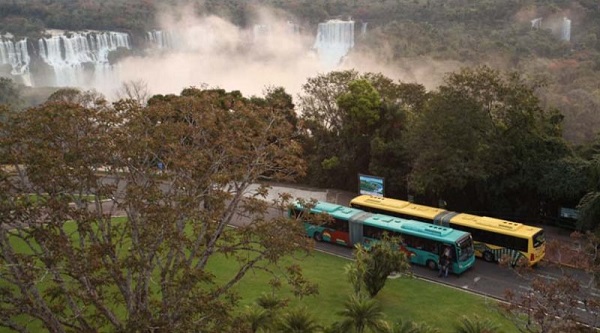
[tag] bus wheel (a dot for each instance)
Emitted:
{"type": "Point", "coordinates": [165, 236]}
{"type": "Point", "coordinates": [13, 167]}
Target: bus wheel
{"type": "Point", "coordinates": [488, 256]}
{"type": "Point", "coordinates": [431, 264]}
{"type": "Point", "coordinates": [318, 236]}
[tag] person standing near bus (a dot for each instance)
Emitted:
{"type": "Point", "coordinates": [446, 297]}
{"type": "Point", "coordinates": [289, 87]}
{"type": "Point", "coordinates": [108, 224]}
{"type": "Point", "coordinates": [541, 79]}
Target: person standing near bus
{"type": "Point", "coordinates": [445, 261]}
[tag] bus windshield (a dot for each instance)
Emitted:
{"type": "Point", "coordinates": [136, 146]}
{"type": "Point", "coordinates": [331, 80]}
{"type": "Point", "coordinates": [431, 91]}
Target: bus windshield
{"type": "Point", "coordinates": [465, 248]}
{"type": "Point", "coordinates": [539, 239]}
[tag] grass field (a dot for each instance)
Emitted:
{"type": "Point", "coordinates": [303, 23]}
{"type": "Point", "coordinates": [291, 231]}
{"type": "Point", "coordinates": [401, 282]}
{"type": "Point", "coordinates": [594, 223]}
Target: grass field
{"type": "Point", "coordinates": [403, 298]}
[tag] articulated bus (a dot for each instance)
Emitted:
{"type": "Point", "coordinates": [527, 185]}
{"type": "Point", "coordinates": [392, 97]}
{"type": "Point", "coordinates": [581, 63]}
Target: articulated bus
{"type": "Point", "coordinates": [494, 239]}
{"type": "Point", "coordinates": [423, 242]}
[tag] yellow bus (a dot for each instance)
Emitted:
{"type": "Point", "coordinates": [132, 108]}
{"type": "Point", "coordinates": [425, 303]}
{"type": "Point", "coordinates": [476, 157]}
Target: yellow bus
{"type": "Point", "coordinates": [494, 239]}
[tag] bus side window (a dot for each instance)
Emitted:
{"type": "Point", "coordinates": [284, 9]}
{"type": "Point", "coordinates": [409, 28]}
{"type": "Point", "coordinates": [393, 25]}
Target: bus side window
{"type": "Point", "coordinates": [418, 244]}
{"type": "Point", "coordinates": [371, 232]}
{"type": "Point", "coordinates": [429, 245]}
{"type": "Point", "coordinates": [338, 224]}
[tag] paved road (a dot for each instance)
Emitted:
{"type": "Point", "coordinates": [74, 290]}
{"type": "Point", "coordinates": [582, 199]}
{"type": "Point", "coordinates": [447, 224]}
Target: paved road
{"type": "Point", "coordinates": [487, 279]}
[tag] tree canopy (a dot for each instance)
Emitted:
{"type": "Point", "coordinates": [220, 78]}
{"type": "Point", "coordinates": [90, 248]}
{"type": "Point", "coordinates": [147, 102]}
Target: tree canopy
{"type": "Point", "coordinates": [76, 168]}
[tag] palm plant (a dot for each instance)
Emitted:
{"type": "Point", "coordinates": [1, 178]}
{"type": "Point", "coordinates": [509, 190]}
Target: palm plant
{"type": "Point", "coordinates": [476, 325]}
{"type": "Point", "coordinates": [297, 320]}
{"type": "Point", "coordinates": [257, 317]}
{"type": "Point", "coordinates": [362, 314]}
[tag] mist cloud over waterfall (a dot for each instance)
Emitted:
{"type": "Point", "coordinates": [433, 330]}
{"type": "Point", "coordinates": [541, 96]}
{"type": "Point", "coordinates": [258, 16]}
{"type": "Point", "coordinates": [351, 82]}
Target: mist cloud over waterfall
{"type": "Point", "coordinates": [215, 52]}
{"type": "Point", "coordinates": [185, 51]}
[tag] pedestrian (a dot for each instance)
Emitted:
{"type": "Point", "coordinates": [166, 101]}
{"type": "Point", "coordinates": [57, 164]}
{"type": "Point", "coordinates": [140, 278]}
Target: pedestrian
{"type": "Point", "coordinates": [445, 261]}
{"type": "Point", "coordinates": [442, 266]}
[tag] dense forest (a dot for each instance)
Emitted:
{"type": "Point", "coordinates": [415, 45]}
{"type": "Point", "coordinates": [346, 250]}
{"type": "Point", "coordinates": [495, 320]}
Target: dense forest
{"type": "Point", "coordinates": [562, 74]}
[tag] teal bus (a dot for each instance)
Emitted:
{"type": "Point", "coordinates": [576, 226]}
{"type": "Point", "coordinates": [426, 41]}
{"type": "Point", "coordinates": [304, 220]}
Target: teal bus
{"type": "Point", "coordinates": [423, 242]}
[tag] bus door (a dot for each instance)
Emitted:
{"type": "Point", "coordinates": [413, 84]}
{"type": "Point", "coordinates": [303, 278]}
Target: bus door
{"type": "Point", "coordinates": [356, 227]}
{"type": "Point", "coordinates": [444, 218]}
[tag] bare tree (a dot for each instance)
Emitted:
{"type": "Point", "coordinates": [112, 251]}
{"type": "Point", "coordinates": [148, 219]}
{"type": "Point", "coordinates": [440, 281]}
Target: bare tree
{"type": "Point", "coordinates": [564, 304]}
{"type": "Point", "coordinates": [136, 90]}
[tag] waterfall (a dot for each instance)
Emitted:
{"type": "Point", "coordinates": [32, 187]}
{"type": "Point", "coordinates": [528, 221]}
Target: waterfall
{"type": "Point", "coordinates": [17, 56]}
{"type": "Point", "coordinates": [566, 30]}
{"type": "Point", "coordinates": [334, 40]}
{"type": "Point", "coordinates": [160, 39]}
{"type": "Point", "coordinates": [80, 58]}
{"type": "Point", "coordinates": [363, 28]}
{"type": "Point", "coordinates": [195, 38]}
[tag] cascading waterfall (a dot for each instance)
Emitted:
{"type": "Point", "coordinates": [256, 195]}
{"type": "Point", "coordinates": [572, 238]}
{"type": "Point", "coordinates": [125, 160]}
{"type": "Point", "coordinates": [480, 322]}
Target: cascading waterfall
{"type": "Point", "coordinates": [81, 59]}
{"type": "Point", "coordinates": [334, 40]}
{"type": "Point", "coordinates": [192, 39]}
{"type": "Point", "coordinates": [363, 28]}
{"type": "Point", "coordinates": [17, 56]}
{"type": "Point", "coordinates": [566, 30]}
{"type": "Point", "coordinates": [160, 39]}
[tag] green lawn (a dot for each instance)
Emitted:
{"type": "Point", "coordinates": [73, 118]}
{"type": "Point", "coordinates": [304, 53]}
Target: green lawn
{"type": "Point", "coordinates": [402, 298]}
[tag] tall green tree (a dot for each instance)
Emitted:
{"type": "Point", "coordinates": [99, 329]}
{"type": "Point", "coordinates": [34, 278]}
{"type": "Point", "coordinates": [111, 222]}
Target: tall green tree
{"type": "Point", "coordinates": [483, 135]}
{"type": "Point", "coordinates": [67, 264]}
{"type": "Point", "coordinates": [353, 124]}
{"type": "Point", "coordinates": [589, 204]}
{"type": "Point", "coordinates": [372, 266]}
{"type": "Point", "coordinates": [329, 161]}
{"type": "Point", "coordinates": [389, 156]}
{"type": "Point", "coordinates": [589, 211]}
{"type": "Point", "coordinates": [361, 106]}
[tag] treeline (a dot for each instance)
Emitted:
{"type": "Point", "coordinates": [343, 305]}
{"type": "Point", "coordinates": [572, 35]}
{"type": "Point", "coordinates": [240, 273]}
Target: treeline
{"type": "Point", "coordinates": [481, 143]}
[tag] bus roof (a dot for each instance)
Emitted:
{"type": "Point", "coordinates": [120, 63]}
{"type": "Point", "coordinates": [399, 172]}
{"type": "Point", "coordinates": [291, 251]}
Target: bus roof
{"type": "Point", "coordinates": [412, 227]}
{"type": "Point", "coordinates": [430, 213]}
{"type": "Point", "coordinates": [399, 206]}
{"type": "Point", "coordinates": [332, 209]}
{"type": "Point", "coordinates": [496, 225]}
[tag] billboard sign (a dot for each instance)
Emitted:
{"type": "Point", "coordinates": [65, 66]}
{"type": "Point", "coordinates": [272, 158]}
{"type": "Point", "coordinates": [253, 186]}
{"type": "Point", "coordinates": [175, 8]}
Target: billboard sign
{"type": "Point", "coordinates": [371, 185]}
